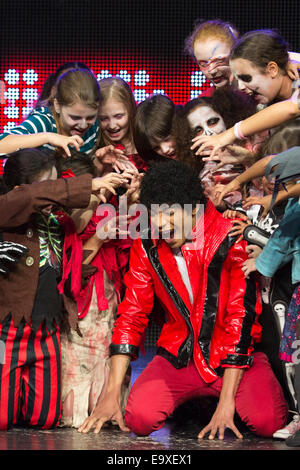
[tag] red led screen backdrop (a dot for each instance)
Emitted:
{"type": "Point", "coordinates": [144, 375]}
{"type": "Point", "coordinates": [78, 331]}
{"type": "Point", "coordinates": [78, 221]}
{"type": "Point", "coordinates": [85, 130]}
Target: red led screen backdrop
{"type": "Point", "coordinates": [140, 40]}
{"type": "Point", "coordinates": [22, 80]}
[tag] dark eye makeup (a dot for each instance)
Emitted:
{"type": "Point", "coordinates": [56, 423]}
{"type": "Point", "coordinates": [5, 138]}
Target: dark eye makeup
{"type": "Point", "coordinates": [213, 121]}
{"type": "Point", "coordinates": [245, 78]}
{"type": "Point", "coordinates": [198, 130]}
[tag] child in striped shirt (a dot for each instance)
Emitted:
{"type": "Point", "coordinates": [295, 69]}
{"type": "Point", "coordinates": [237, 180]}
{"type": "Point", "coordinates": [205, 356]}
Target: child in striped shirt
{"type": "Point", "coordinates": [68, 117]}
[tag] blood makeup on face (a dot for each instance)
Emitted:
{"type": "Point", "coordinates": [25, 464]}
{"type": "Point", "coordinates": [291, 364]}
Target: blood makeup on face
{"type": "Point", "coordinates": [212, 57]}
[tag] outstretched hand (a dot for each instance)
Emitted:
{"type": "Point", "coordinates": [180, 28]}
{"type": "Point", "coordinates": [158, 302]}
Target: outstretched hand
{"type": "Point", "coordinates": [133, 191]}
{"type": "Point", "coordinates": [107, 409]}
{"type": "Point", "coordinates": [265, 202]}
{"type": "Point", "coordinates": [212, 142]}
{"type": "Point", "coordinates": [238, 228]}
{"type": "Point", "coordinates": [222, 190]}
{"type": "Point", "coordinates": [253, 251]}
{"type": "Point", "coordinates": [63, 141]}
{"type": "Point", "coordinates": [115, 158]}
{"type": "Point", "coordinates": [109, 182]}
{"type": "Point", "coordinates": [249, 267]}
{"type": "Point", "coordinates": [232, 155]}
{"type": "Point", "coordinates": [116, 227]}
{"type": "Point", "coordinates": [221, 419]}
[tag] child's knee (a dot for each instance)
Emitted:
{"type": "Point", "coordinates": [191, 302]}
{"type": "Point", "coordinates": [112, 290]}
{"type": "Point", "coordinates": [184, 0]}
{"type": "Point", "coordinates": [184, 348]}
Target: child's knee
{"type": "Point", "coordinates": [144, 422]}
{"type": "Point", "coordinates": [265, 422]}
{"type": "Point", "coordinates": [266, 426]}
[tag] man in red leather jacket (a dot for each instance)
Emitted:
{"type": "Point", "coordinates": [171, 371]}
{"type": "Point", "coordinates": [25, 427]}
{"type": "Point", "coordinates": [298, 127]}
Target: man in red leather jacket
{"type": "Point", "coordinates": [211, 309]}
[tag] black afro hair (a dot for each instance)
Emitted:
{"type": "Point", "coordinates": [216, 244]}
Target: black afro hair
{"type": "Point", "coordinates": [171, 182]}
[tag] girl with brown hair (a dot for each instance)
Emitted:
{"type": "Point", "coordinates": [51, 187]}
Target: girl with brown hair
{"type": "Point", "coordinates": [259, 61]}
{"type": "Point", "coordinates": [211, 44]}
{"type": "Point", "coordinates": [153, 128]}
{"type": "Point", "coordinates": [67, 118]}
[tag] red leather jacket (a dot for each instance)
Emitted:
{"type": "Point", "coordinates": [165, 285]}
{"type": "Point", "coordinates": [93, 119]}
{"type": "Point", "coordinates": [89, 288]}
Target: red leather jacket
{"type": "Point", "coordinates": [218, 329]}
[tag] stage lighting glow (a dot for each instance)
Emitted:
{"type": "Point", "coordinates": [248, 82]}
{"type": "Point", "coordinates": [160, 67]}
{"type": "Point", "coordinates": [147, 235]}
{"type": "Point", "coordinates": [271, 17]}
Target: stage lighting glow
{"type": "Point", "coordinates": [22, 79]}
{"type": "Point", "coordinates": [103, 74]}
{"type": "Point", "coordinates": [12, 77]}
{"type": "Point", "coordinates": [30, 94]}
{"type": "Point", "coordinates": [197, 79]}
{"type": "Point", "coordinates": [141, 78]}
{"type": "Point", "coordinates": [12, 94]}
{"type": "Point", "coordinates": [124, 75]}
{"type": "Point", "coordinates": [12, 112]}
{"type": "Point", "coordinates": [30, 77]}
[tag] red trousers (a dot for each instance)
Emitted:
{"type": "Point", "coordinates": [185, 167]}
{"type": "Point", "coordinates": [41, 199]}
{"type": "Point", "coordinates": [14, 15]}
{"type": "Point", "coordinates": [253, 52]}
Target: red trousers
{"type": "Point", "coordinates": [160, 388]}
{"type": "Point", "coordinates": [30, 377]}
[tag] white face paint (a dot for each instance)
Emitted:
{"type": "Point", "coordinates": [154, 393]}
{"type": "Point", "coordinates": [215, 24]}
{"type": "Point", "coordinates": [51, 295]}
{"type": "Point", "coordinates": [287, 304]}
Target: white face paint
{"type": "Point", "coordinates": [204, 120]}
{"type": "Point", "coordinates": [263, 86]}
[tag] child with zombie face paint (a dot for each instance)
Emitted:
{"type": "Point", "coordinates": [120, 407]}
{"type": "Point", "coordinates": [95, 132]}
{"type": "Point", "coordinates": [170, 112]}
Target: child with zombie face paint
{"type": "Point", "coordinates": [211, 116]}
{"type": "Point", "coordinates": [32, 314]}
{"type": "Point", "coordinates": [210, 44]}
{"type": "Point", "coordinates": [278, 260]}
{"type": "Point", "coordinates": [260, 63]}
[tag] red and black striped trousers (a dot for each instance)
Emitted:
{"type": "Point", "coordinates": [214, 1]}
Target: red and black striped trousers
{"type": "Point", "coordinates": [30, 376]}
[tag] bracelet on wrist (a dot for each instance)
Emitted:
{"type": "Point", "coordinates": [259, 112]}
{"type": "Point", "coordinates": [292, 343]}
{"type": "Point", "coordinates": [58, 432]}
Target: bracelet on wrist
{"type": "Point", "coordinates": [237, 131]}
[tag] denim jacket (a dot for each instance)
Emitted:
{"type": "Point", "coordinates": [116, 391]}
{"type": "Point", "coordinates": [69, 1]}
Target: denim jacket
{"type": "Point", "coordinates": [284, 244]}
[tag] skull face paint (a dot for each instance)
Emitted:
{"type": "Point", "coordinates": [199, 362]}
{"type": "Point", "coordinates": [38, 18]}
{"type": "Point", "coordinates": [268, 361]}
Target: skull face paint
{"type": "Point", "coordinates": [204, 120]}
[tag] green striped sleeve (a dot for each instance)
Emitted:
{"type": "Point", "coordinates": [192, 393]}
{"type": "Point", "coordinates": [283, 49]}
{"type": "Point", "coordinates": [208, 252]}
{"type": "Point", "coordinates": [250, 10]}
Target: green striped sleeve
{"type": "Point", "coordinates": [39, 120]}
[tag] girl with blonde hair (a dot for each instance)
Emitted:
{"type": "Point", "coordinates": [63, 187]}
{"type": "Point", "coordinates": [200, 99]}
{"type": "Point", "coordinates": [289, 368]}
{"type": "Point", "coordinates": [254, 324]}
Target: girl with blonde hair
{"type": "Point", "coordinates": [116, 119]}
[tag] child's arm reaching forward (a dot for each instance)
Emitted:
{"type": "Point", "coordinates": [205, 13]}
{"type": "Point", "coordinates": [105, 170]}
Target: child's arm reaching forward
{"type": "Point", "coordinates": [267, 118]}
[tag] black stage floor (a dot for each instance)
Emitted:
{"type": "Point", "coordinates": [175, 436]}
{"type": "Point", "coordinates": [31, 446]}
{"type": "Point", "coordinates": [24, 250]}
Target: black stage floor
{"type": "Point", "coordinates": [178, 435]}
